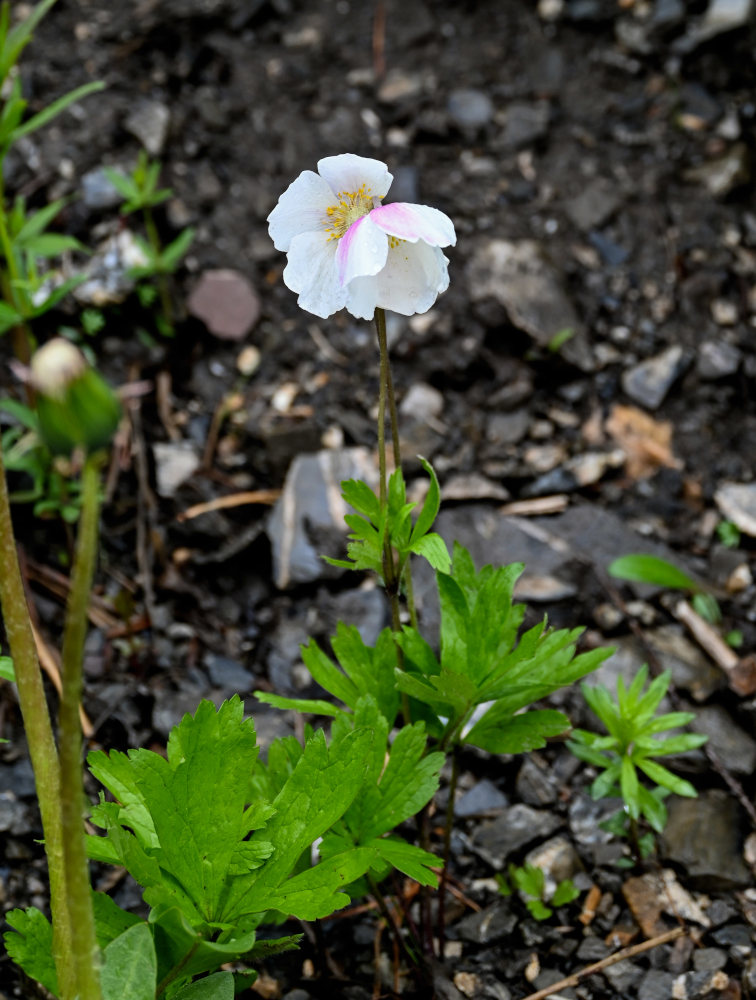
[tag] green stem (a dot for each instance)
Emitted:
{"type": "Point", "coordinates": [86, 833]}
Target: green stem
{"type": "Point", "coordinates": [39, 735]}
{"type": "Point", "coordinates": [447, 852]}
{"type": "Point", "coordinates": [413, 959]}
{"type": "Point", "coordinates": [23, 340]}
{"type": "Point", "coordinates": [85, 951]}
{"type": "Point", "coordinates": [162, 280]}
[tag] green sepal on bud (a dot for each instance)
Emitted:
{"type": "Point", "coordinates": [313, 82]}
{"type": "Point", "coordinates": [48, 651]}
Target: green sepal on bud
{"type": "Point", "coordinates": [76, 408]}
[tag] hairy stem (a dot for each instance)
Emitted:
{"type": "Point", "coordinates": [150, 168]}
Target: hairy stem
{"type": "Point", "coordinates": [85, 952]}
{"type": "Point", "coordinates": [39, 735]}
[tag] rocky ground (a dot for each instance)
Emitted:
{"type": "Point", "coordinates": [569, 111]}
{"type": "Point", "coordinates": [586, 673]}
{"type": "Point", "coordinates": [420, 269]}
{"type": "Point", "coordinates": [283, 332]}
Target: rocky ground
{"type": "Point", "coordinates": [596, 158]}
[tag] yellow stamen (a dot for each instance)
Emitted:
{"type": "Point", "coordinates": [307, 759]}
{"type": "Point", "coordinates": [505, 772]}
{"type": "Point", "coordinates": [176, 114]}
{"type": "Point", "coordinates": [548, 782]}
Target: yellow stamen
{"type": "Point", "coordinates": [352, 206]}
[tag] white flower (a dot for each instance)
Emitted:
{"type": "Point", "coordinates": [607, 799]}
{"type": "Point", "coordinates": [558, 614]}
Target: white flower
{"type": "Point", "coordinates": [346, 249]}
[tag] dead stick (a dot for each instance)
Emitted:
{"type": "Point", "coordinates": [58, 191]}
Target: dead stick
{"type": "Point", "coordinates": [618, 956]}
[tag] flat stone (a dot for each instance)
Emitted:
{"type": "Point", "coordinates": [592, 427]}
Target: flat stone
{"type": "Point", "coordinates": [717, 359]}
{"type": "Point", "coordinates": [649, 382]}
{"type": "Point", "coordinates": [98, 191]}
{"type": "Point", "coordinates": [149, 122]}
{"type": "Point", "coordinates": [507, 428]}
{"type": "Point", "coordinates": [497, 921]}
{"type": "Point", "coordinates": [656, 985]}
{"type": "Point", "coordinates": [737, 501]}
{"type": "Point", "coordinates": [525, 123]}
{"type": "Point", "coordinates": [469, 108]}
{"type": "Point", "coordinates": [422, 402]}
{"type": "Point", "coordinates": [736, 749]}
{"type": "Point", "coordinates": [594, 205]}
{"type": "Point", "coordinates": [516, 827]}
{"type": "Point", "coordinates": [228, 674]}
{"type": "Point", "coordinates": [700, 985]}
{"type": "Point", "coordinates": [709, 959]}
{"type": "Point", "coordinates": [714, 860]}
{"type": "Point", "coordinates": [557, 859]}
{"type": "Point", "coordinates": [226, 303]}
{"type": "Point", "coordinates": [308, 519]}
{"type": "Point", "coordinates": [484, 797]}
{"type": "Point", "coordinates": [622, 977]}
{"type": "Point", "coordinates": [521, 279]}
{"type": "Point", "coordinates": [175, 462]}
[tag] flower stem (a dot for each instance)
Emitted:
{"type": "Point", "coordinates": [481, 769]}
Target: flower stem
{"type": "Point", "coordinates": [39, 735]}
{"type": "Point", "coordinates": [85, 952]}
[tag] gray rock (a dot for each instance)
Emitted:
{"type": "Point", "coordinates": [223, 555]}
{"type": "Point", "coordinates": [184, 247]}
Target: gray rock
{"type": "Point", "coordinates": [469, 108]}
{"type": "Point", "coordinates": [171, 706]}
{"type": "Point", "coordinates": [228, 674]}
{"type": "Point", "coordinates": [656, 985]}
{"type": "Point", "coordinates": [521, 279]}
{"type": "Point", "coordinates": [622, 977]}
{"type": "Point", "coordinates": [737, 501]}
{"type": "Point", "coordinates": [149, 122]}
{"type": "Point", "coordinates": [536, 786]}
{"type": "Point", "coordinates": [175, 462]}
{"type": "Point", "coordinates": [366, 609]}
{"type": "Point", "coordinates": [12, 814]}
{"type": "Point", "coordinates": [226, 303]}
{"type": "Point", "coordinates": [732, 744]}
{"type": "Point", "coordinates": [712, 860]}
{"type": "Point", "coordinates": [497, 921]}
{"type": "Point", "coordinates": [483, 798]}
{"type": "Point", "coordinates": [700, 985]}
{"type": "Point", "coordinates": [98, 191]}
{"type": "Point", "coordinates": [717, 359]}
{"type": "Point", "coordinates": [594, 205]}
{"type": "Point", "coordinates": [422, 402]}
{"type": "Point", "coordinates": [709, 959]}
{"type": "Point", "coordinates": [310, 512]}
{"type": "Point", "coordinates": [286, 671]}
{"type": "Point", "coordinates": [525, 123]}
{"type": "Point", "coordinates": [109, 270]}
{"type": "Point", "coordinates": [507, 428]}
{"type": "Point", "coordinates": [516, 827]}
{"type": "Point", "coordinates": [649, 382]}
{"type": "Point", "coordinates": [557, 859]}
{"type": "Point", "coordinates": [585, 817]}
{"type": "Point", "coordinates": [737, 938]}
{"type": "Point", "coordinates": [720, 16]}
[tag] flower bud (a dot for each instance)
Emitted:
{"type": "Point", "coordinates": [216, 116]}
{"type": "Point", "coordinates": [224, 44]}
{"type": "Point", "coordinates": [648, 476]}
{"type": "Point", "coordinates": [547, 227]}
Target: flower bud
{"type": "Point", "coordinates": [75, 406]}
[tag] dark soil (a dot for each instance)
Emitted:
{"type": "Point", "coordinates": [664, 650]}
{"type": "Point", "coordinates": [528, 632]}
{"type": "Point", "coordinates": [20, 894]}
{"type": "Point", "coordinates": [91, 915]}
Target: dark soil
{"type": "Point", "coordinates": [602, 136]}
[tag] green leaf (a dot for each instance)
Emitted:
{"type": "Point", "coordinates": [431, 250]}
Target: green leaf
{"type": "Point", "coordinates": [110, 920]}
{"type": "Point", "coordinates": [359, 496]}
{"type": "Point", "coordinates": [564, 893]}
{"type": "Point", "coordinates": [629, 786]}
{"type": "Point", "coordinates": [652, 808]}
{"type": "Point", "coordinates": [528, 879]}
{"type": "Point", "coordinates": [7, 672]}
{"type": "Point", "coordinates": [538, 909]}
{"type": "Point", "coordinates": [217, 987]}
{"type": "Point", "coordinates": [430, 509]}
{"type": "Point", "coordinates": [123, 184]}
{"type": "Point", "coordinates": [181, 946]}
{"type": "Point", "coordinates": [518, 733]}
{"type": "Point", "coordinates": [434, 549]}
{"type": "Point", "coordinates": [171, 256]}
{"type": "Point", "coordinates": [315, 706]}
{"type": "Point", "coordinates": [412, 861]}
{"type": "Point", "coordinates": [651, 569]}
{"type": "Point", "coordinates": [666, 779]}
{"type": "Point", "coordinates": [54, 109]}
{"type": "Point", "coordinates": [30, 945]}
{"type": "Point", "coordinates": [707, 607]}
{"type": "Point", "coordinates": [51, 244]}
{"type": "Point", "coordinates": [17, 38]}
{"type": "Point", "coordinates": [9, 317]}
{"type": "Point", "coordinates": [37, 223]}
{"type": "Point", "coordinates": [129, 969]}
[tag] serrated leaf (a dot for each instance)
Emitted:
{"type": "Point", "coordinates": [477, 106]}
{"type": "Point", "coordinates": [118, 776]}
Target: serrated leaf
{"type": "Point", "coordinates": [564, 893]}
{"type": "Point", "coordinates": [433, 548]}
{"type": "Point", "coordinates": [110, 920]}
{"type": "Point", "coordinates": [30, 945]}
{"type": "Point", "coordinates": [359, 496]}
{"type": "Point", "coordinates": [129, 968]}
{"type": "Point", "coordinates": [181, 946]}
{"type": "Point", "coordinates": [412, 861]}
{"type": "Point", "coordinates": [538, 909]}
{"type": "Point", "coordinates": [642, 568]}
{"type": "Point", "coordinates": [518, 733]}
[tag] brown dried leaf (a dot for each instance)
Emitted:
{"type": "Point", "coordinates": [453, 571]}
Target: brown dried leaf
{"type": "Point", "coordinates": [647, 443]}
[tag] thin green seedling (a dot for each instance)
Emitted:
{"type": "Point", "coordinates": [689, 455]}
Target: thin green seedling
{"type": "Point", "coordinates": [642, 568]}
{"type": "Point", "coordinates": [141, 193]}
{"type": "Point", "coordinates": [530, 882]}
{"type": "Point", "coordinates": [627, 755]}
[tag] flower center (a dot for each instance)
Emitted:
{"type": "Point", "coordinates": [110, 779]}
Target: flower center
{"type": "Point", "coordinates": [351, 207]}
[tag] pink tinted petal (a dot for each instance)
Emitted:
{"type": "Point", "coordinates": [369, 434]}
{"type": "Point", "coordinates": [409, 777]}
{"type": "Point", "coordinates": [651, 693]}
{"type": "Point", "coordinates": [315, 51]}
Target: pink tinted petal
{"type": "Point", "coordinates": [410, 282]}
{"type": "Point", "coordinates": [300, 209]}
{"type": "Point", "coordinates": [415, 222]}
{"type": "Point", "coordinates": [312, 272]}
{"type": "Point", "coordinates": [361, 250]}
{"type": "Point", "coordinates": [348, 172]}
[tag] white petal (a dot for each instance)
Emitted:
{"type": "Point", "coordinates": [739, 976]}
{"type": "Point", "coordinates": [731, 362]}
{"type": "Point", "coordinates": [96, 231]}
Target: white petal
{"type": "Point", "coordinates": [362, 297]}
{"type": "Point", "coordinates": [415, 222]}
{"type": "Point", "coordinates": [361, 250]}
{"type": "Point", "coordinates": [300, 209]}
{"type": "Point", "coordinates": [311, 270]}
{"type": "Point", "coordinates": [410, 282]}
{"type": "Point", "coordinates": [347, 172]}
